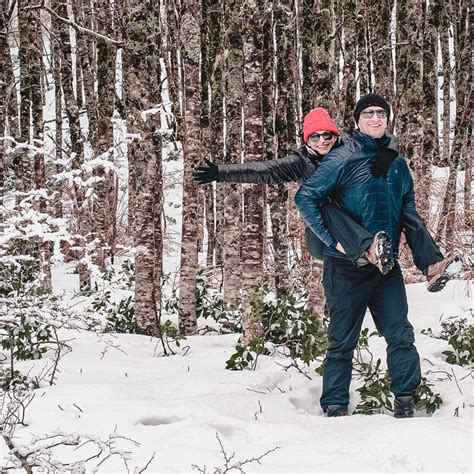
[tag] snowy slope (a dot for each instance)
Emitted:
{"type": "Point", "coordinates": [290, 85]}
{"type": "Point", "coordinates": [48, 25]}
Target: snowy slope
{"type": "Point", "coordinates": [175, 406]}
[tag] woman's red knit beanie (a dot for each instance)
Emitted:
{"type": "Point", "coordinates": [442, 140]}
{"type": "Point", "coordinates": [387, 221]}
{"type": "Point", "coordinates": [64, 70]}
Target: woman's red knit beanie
{"type": "Point", "coordinates": [318, 120]}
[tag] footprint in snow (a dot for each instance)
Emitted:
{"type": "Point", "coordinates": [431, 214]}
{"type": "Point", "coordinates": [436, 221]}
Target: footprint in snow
{"type": "Point", "coordinates": [158, 420]}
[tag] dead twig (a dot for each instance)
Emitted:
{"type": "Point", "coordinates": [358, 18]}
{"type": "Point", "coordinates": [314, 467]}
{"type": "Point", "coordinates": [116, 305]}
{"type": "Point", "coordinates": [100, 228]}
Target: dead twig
{"type": "Point", "coordinates": [456, 380]}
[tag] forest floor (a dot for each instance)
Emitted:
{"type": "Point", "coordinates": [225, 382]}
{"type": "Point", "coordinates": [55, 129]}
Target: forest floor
{"type": "Point", "coordinates": [187, 413]}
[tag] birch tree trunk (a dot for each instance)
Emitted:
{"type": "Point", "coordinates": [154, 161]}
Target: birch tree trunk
{"type": "Point", "coordinates": [4, 60]}
{"type": "Point", "coordinates": [463, 120]}
{"type": "Point", "coordinates": [252, 237]}
{"type": "Point", "coordinates": [268, 112]}
{"type": "Point", "coordinates": [190, 47]}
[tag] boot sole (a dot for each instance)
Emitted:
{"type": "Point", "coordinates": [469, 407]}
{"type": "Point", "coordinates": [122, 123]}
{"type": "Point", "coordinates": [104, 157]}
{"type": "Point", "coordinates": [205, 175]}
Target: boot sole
{"type": "Point", "coordinates": [384, 249]}
{"type": "Point", "coordinates": [449, 273]}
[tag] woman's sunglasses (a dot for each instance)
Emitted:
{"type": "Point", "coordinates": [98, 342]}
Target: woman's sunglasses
{"type": "Point", "coordinates": [314, 137]}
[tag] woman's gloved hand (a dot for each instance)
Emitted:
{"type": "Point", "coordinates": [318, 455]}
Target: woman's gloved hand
{"type": "Point", "coordinates": [207, 173]}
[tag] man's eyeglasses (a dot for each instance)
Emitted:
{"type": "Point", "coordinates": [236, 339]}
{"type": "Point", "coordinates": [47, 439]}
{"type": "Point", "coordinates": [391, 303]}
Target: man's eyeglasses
{"type": "Point", "coordinates": [314, 137]}
{"type": "Point", "coordinates": [368, 114]}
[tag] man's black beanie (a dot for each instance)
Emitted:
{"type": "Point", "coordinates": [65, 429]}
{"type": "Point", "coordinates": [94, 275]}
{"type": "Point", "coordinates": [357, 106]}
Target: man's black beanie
{"type": "Point", "coordinates": [368, 100]}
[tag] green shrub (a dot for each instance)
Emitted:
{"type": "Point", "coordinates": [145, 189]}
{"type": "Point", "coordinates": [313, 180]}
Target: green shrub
{"type": "Point", "coordinates": [375, 393]}
{"type": "Point", "coordinates": [119, 315]}
{"type": "Point", "coordinates": [453, 327]}
{"type": "Point", "coordinates": [286, 323]}
{"type": "Point", "coordinates": [427, 400]}
{"type": "Point", "coordinates": [16, 380]}
{"type": "Point", "coordinates": [245, 357]}
{"type": "Point", "coordinates": [209, 304]}
{"type": "Point", "coordinates": [26, 338]}
{"type": "Point", "coordinates": [460, 336]}
{"type": "Point", "coordinates": [462, 343]}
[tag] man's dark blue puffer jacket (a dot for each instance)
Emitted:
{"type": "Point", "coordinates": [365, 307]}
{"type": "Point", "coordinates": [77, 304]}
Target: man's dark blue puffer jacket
{"type": "Point", "coordinates": [375, 203]}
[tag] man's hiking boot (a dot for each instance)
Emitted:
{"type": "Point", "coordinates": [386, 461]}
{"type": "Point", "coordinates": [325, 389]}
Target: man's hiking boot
{"type": "Point", "coordinates": [439, 273]}
{"type": "Point", "coordinates": [335, 410]}
{"type": "Point", "coordinates": [379, 252]}
{"type": "Point", "coordinates": [404, 406]}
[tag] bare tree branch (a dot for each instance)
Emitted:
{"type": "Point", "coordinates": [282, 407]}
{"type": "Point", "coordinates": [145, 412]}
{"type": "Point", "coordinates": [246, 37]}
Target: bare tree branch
{"type": "Point", "coordinates": [77, 27]}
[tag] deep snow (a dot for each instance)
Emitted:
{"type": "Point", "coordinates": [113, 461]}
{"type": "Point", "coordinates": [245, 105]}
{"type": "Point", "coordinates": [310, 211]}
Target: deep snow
{"type": "Point", "coordinates": [175, 406]}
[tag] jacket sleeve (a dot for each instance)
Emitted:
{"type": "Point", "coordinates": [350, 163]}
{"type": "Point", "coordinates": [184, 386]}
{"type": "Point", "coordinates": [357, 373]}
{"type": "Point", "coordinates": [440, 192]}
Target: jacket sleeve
{"type": "Point", "coordinates": [312, 193]}
{"type": "Point", "coordinates": [408, 189]}
{"type": "Point", "coordinates": [284, 170]}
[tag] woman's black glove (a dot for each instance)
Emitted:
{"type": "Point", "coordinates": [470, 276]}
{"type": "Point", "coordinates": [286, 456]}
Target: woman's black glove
{"type": "Point", "coordinates": [206, 174]}
{"type": "Point", "coordinates": [382, 162]}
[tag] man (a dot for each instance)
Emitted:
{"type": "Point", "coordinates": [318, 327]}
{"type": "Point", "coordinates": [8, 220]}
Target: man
{"type": "Point", "coordinates": [320, 136]}
{"type": "Point", "coordinates": [375, 187]}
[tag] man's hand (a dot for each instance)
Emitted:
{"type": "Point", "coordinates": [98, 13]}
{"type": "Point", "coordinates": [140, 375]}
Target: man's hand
{"type": "Point", "coordinates": [340, 248]}
{"type": "Point", "coordinates": [206, 174]}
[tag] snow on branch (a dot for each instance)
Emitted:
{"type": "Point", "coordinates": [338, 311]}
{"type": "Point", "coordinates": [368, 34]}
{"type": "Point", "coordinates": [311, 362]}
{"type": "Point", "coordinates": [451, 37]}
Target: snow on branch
{"type": "Point", "coordinates": [22, 145]}
{"type": "Point", "coordinates": [79, 452]}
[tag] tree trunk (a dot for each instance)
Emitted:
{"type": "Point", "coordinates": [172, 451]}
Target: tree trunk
{"type": "Point", "coordinates": [142, 91]}
{"type": "Point", "coordinates": [28, 30]}
{"type": "Point", "coordinates": [31, 119]}
{"type": "Point", "coordinates": [445, 61]}
{"type": "Point", "coordinates": [216, 50]}
{"type": "Point", "coordinates": [88, 75]}
{"type": "Point", "coordinates": [58, 141]}
{"type": "Point", "coordinates": [192, 148]}
{"type": "Point", "coordinates": [463, 121]}
{"type": "Point", "coordinates": [407, 110]}
{"type": "Point", "coordinates": [75, 135]}
{"type": "Point", "coordinates": [320, 79]}
{"type": "Point", "coordinates": [363, 48]}
{"type": "Point", "coordinates": [319, 61]}
{"type": "Point", "coordinates": [349, 49]}
{"type": "Point", "coordinates": [233, 97]}
{"type": "Point", "coordinates": [105, 215]}
{"type": "Point", "coordinates": [285, 136]}
{"type": "Point", "coordinates": [378, 16]}
{"type": "Point", "coordinates": [252, 236]}
{"type": "Point", "coordinates": [4, 60]}
{"type": "Point", "coordinates": [430, 107]}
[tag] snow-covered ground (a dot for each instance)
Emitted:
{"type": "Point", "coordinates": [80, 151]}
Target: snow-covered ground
{"type": "Point", "coordinates": [180, 408]}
